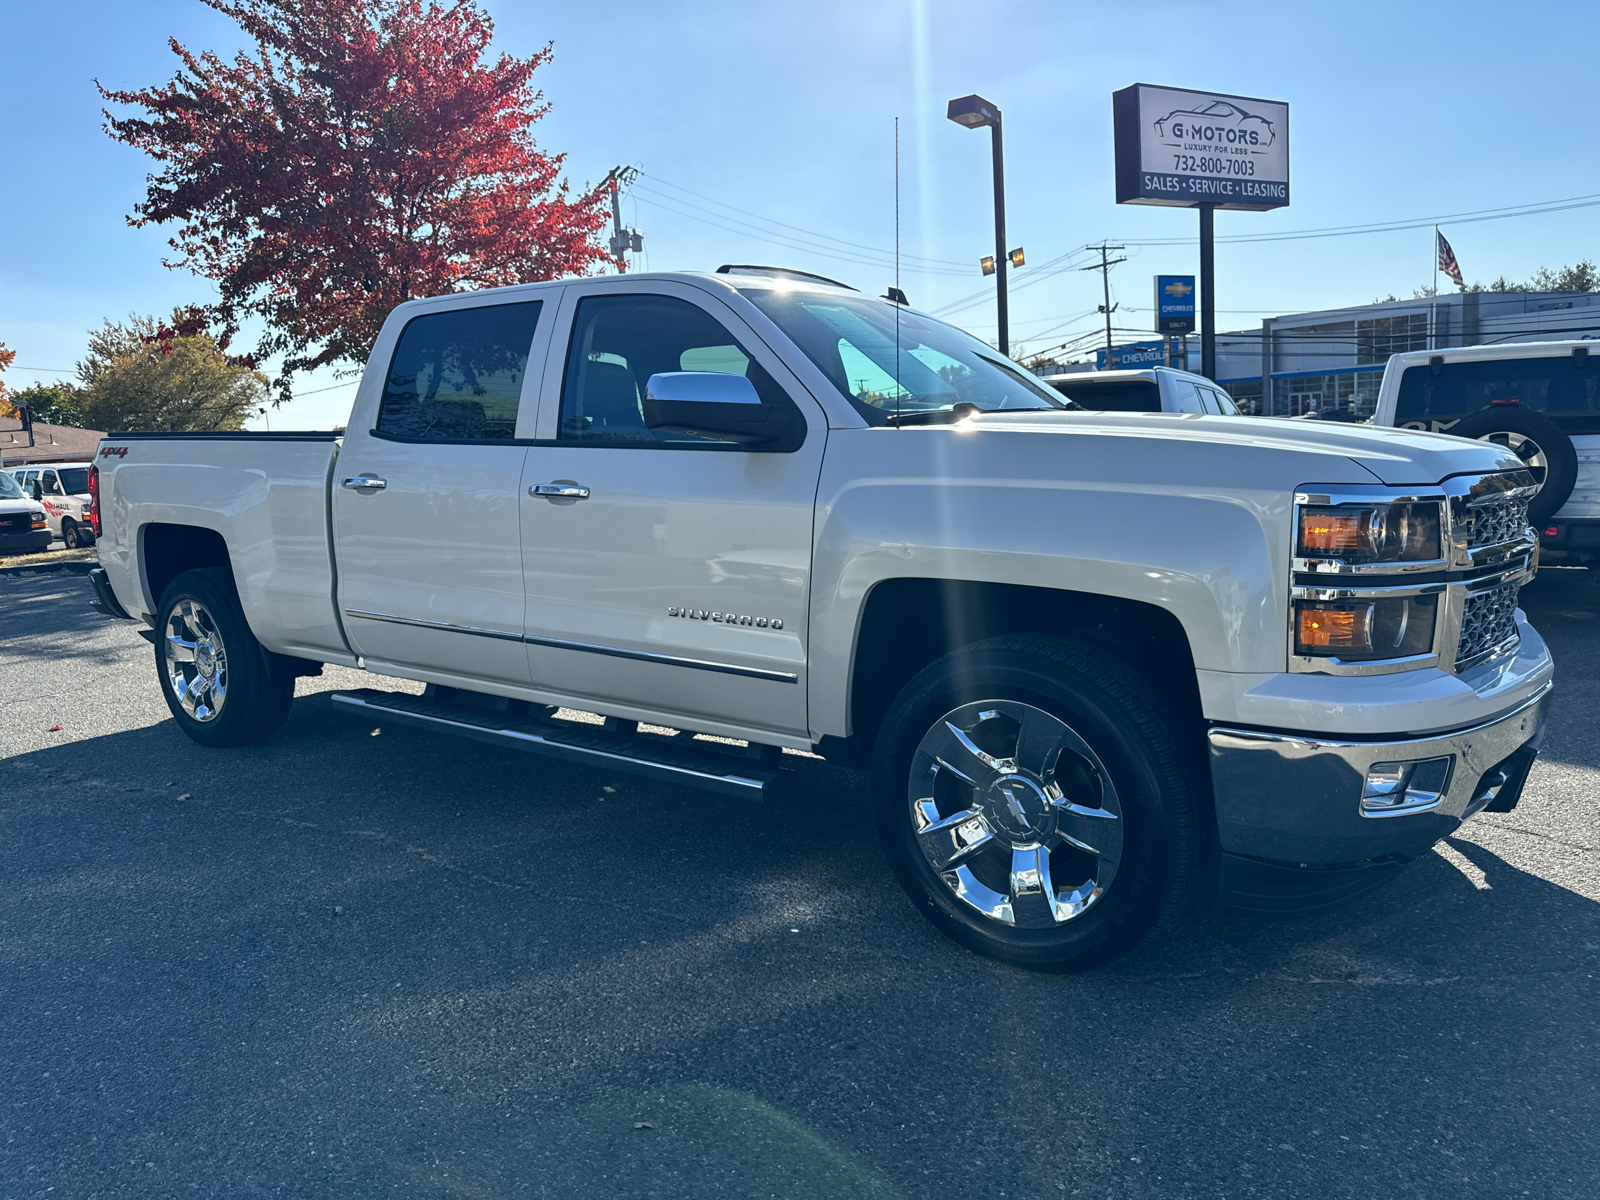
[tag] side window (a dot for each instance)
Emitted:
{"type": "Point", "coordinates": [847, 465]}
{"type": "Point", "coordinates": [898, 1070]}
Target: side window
{"type": "Point", "coordinates": [618, 342]}
{"type": "Point", "coordinates": [457, 376]}
{"type": "Point", "coordinates": [1185, 396]}
{"type": "Point", "coordinates": [1224, 402]}
{"type": "Point", "coordinates": [51, 486]}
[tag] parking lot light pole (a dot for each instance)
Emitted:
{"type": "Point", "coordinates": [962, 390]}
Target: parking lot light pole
{"type": "Point", "coordinates": [975, 112]}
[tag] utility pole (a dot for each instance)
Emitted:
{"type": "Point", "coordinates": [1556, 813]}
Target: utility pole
{"type": "Point", "coordinates": [1208, 291]}
{"type": "Point", "coordinates": [1104, 267]}
{"type": "Point", "coordinates": [622, 240]}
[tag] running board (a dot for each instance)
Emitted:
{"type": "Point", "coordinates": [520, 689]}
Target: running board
{"type": "Point", "coordinates": [516, 724]}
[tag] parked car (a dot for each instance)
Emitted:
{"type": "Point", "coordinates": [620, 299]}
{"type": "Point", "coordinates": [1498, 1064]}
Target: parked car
{"type": "Point", "coordinates": [22, 521]}
{"type": "Point", "coordinates": [1151, 389]}
{"type": "Point", "coordinates": [1102, 665]}
{"type": "Point", "coordinates": [63, 490]}
{"type": "Point", "coordinates": [1538, 400]}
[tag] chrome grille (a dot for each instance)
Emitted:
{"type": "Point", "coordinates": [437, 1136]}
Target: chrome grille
{"type": "Point", "coordinates": [1489, 621]}
{"type": "Point", "coordinates": [1497, 519]}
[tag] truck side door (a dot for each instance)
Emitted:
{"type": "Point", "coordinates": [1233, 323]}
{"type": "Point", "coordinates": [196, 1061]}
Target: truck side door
{"type": "Point", "coordinates": [425, 502]}
{"type": "Point", "coordinates": [667, 572]}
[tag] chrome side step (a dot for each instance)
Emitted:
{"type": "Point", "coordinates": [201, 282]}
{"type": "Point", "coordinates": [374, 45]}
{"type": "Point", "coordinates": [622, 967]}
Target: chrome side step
{"type": "Point", "coordinates": [615, 745]}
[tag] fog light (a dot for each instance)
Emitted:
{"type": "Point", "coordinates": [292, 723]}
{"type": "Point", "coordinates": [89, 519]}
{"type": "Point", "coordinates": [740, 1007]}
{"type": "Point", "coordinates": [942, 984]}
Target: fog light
{"type": "Point", "coordinates": [1395, 789]}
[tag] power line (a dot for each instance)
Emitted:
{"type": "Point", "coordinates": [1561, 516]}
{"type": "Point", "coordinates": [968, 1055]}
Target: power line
{"type": "Point", "coordinates": [1463, 218]}
{"type": "Point", "coordinates": [787, 241]}
{"type": "Point", "coordinates": [942, 262]}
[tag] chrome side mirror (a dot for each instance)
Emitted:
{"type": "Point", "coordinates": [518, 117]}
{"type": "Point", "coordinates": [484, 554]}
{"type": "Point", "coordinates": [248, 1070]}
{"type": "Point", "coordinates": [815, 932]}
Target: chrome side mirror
{"type": "Point", "coordinates": [713, 404]}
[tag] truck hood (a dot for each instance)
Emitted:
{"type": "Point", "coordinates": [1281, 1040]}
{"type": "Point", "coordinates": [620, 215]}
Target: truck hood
{"type": "Point", "coordinates": [1392, 456]}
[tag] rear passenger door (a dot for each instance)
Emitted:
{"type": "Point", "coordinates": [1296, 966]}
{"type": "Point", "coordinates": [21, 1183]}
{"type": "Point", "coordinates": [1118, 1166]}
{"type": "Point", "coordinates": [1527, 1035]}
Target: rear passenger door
{"type": "Point", "coordinates": [425, 501]}
{"type": "Point", "coordinates": [673, 578]}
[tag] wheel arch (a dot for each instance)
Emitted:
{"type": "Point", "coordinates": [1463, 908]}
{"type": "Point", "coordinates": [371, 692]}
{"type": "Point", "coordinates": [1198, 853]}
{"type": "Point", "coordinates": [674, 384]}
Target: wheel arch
{"type": "Point", "coordinates": [907, 623]}
{"type": "Point", "coordinates": [167, 551]}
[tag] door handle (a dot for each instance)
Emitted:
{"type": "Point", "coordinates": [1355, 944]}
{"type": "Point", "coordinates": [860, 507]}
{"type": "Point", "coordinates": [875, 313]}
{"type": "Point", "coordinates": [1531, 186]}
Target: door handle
{"type": "Point", "coordinates": [559, 491]}
{"type": "Point", "coordinates": [365, 482]}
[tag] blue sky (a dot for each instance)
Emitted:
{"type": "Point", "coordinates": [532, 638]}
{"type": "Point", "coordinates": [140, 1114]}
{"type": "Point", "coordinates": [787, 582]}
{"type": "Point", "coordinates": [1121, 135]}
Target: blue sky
{"type": "Point", "coordinates": [1397, 111]}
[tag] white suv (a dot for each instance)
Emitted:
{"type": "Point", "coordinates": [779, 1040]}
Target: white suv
{"type": "Point", "coordinates": [1540, 401]}
{"type": "Point", "coordinates": [63, 489]}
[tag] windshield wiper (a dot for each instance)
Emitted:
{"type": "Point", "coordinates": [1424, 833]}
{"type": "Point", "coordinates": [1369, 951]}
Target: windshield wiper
{"type": "Point", "coordinates": [960, 412]}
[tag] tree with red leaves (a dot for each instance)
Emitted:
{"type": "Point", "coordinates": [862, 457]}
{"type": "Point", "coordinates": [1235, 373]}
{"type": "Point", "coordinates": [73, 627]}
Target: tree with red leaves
{"type": "Point", "coordinates": [7, 357]}
{"type": "Point", "coordinates": [366, 153]}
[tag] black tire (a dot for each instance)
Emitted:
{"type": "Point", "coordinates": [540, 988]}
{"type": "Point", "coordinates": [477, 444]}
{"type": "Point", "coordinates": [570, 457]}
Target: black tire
{"type": "Point", "coordinates": [1146, 763]}
{"type": "Point", "coordinates": [69, 534]}
{"type": "Point", "coordinates": [252, 700]}
{"type": "Point", "coordinates": [1530, 436]}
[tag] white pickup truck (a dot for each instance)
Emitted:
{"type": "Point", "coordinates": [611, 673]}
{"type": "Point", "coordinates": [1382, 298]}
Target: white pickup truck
{"type": "Point", "coordinates": [1100, 664]}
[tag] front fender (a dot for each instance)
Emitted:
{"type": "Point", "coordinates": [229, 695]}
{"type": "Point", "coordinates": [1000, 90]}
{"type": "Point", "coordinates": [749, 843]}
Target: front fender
{"type": "Point", "coordinates": [1198, 530]}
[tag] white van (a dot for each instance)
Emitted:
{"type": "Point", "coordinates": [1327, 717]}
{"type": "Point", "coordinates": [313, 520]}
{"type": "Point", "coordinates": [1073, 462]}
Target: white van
{"type": "Point", "coordinates": [1540, 400]}
{"type": "Point", "coordinates": [63, 489]}
{"type": "Point", "coordinates": [22, 522]}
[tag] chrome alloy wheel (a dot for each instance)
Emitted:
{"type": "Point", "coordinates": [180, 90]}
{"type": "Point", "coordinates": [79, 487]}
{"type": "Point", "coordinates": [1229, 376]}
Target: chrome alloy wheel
{"type": "Point", "coordinates": [1015, 813]}
{"type": "Point", "coordinates": [196, 660]}
{"type": "Point", "coordinates": [1524, 447]}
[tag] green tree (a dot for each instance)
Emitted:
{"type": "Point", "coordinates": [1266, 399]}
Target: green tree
{"type": "Point", "coordinates": [52, 403]}
{"type": "Point", "coordinates": [1581, 276]}
{"type": "Point", "coordinates": [144, 375]}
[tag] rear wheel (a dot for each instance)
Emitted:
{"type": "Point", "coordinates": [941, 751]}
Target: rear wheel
{"type": "Point", "coordinates": [1039, 802]}
{"type": "Point", "coordinates": [217, 679]}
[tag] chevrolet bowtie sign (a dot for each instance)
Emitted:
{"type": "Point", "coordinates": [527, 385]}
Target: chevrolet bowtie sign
{"type": "Point", "coordinates": [1174, 303]}
{"type": "Point", "coordinates": [1184, 148]}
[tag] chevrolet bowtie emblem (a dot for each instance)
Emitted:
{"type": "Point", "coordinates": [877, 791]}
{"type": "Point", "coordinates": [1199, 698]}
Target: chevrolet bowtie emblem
{"type": "Point", "coordinates": [1177, 288]}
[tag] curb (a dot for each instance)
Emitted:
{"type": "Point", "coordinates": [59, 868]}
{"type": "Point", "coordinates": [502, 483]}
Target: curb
{"type": "Point", "coordinates": [81, 566]}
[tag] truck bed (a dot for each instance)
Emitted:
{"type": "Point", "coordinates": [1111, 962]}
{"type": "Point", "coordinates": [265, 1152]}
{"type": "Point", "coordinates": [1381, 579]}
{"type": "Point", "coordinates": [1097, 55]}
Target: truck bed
{"type": "Point", "coordinates": [264, 494]}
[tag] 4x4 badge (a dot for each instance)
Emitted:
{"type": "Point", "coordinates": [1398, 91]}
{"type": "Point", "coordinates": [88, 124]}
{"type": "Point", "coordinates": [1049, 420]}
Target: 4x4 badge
{"type": "Point", "coordinates": [704, 614]}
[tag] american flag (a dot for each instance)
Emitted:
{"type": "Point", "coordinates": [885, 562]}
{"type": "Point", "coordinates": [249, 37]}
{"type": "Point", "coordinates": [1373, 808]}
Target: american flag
{"type": "Point", "coordinates": [1447, 260]}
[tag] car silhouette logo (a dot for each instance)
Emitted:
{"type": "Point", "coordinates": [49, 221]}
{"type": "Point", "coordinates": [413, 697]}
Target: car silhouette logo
{"type": "Point", "coordinates": [1218, 121]}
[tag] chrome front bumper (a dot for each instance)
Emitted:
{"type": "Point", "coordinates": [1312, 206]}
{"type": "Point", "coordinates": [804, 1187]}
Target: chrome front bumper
{"type": "Point", "coordinates": [1296, 815]}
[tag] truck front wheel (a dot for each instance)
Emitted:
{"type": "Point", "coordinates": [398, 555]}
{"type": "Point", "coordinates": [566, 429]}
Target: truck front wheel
{"type": "Point", "coordinates": [1039, 803]}
{"type": "Point", "coordinates": [217, 679]}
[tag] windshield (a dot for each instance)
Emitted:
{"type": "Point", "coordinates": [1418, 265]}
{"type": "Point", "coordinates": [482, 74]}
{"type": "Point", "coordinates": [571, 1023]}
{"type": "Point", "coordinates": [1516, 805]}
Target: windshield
{"type": "Point", "coordinates": [9, 488]}
{"type": "Point", "coordinates": [75, 481]}
{"type": "Point", "coordinates": [852, 340]}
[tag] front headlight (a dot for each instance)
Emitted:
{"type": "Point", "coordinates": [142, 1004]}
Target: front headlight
{"type": "Point", "coordinates": [40, 520]}
{"type": "Point", "coordinates": [1370, 533]}
{"type": "Point", "coordinates": [1362, 630]}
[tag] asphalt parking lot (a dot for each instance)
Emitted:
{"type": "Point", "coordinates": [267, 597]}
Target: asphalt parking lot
{"type": "Point", "coordinates": [356, 961]}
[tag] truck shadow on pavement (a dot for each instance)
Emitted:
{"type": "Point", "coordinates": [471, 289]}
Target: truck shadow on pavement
{"type": "Point", "coordinates": [468, 971]}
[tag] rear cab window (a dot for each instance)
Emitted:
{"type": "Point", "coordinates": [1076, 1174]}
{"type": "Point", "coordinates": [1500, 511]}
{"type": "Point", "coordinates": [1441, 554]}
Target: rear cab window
{"type": "Point", "coordinates": [1564, 387]}
{"type": "Point", "coordinates": [457, 375]}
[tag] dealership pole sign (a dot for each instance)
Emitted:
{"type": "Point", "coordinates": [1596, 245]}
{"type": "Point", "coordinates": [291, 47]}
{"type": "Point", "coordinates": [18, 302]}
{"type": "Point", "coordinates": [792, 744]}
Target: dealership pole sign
{"type": "Point", "coordinates": [1187, 149]}
{"type": "Point", "coordinates": [1174, 303]}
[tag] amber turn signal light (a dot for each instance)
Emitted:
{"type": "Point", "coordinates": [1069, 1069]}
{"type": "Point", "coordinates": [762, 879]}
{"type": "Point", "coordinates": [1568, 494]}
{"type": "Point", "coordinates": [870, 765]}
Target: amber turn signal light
{"type": "Point", "coordinates": [1335, 628]}
{"type": "Point", "coordinates": [1327, 532]}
